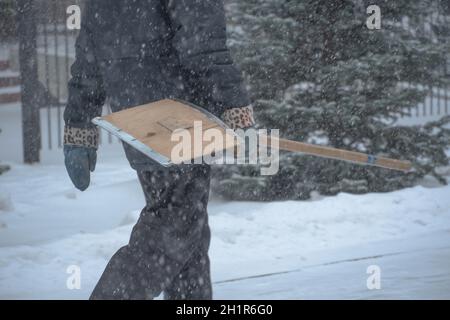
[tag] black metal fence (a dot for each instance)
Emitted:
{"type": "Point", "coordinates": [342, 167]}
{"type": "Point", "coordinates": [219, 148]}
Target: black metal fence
{"type": "Point", "coordinates": [55, 43]}
{"type": "Point", "coordinates": [437, 101]}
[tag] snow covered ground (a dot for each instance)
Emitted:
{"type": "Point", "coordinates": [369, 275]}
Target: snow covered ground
{"type": "Point", "coordinates": [314, 249]}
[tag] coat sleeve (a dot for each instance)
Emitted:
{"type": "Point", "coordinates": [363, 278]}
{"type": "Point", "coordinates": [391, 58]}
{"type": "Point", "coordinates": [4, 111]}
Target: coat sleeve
{"type": "Point", "coordinates": [86, 94]}
{"type": "Point", "coordinates": [200, 41]}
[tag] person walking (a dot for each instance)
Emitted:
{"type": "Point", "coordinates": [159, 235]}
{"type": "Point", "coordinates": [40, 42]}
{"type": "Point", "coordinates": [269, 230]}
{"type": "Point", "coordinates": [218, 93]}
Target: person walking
{"type": "Point", "coordinates": [136, 52]}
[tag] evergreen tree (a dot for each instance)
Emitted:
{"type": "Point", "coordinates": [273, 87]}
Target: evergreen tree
{"type": "Point", "coordinates": [320, 75]}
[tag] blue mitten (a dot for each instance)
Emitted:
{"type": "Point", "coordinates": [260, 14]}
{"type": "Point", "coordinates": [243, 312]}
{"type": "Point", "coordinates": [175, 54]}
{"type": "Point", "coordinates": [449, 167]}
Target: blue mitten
{"type": "Point", "coordinates": [80, 162]}
{"type": "Point", "coordinates": [80, 155]}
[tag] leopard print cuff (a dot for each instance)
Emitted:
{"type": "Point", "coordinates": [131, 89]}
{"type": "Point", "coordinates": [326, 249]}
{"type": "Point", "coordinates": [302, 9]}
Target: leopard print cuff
{"type": "Point", "coordinates": [81, 137]}
{"type": "Point", "coordinates": [239, 118]}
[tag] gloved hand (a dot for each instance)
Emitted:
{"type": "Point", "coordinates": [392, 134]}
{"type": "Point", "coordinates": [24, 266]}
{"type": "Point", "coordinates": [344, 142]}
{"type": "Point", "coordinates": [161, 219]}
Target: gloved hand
{"type": "Point", "coordinates": [239, 118]}
{"type": "Point", "coordinates": [80, 162]}
{"type": "Point", "coordinates": [80, 154]}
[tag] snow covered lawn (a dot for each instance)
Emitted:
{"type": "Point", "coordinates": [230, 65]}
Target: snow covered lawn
{"type": "Point", "coordinates": [284, 250]}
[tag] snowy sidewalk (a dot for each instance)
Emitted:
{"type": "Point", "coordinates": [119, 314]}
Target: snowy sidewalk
{"type": "Point", "coordinates": [413, 268]}
{"type": "Point", "coordinates": [325, 244]}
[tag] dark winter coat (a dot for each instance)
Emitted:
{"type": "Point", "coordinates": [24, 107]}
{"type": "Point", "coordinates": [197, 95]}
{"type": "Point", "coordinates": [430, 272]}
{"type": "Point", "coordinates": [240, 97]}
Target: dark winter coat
{"type": "Point", "coordinates": [134, 52]}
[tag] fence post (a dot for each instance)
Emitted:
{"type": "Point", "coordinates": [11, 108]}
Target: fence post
{"type": "Point", "coordinates": [27, 33]}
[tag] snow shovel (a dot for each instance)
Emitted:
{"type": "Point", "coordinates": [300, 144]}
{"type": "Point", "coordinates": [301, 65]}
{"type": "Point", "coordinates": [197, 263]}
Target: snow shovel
{"type": "Point", "coordinates": [149, 128]}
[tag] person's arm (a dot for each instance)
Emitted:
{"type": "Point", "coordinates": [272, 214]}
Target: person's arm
{"type": "Point", "coordinates": [85, 89]}
{"type": "Point", "coordinates": [200, 41]}
{"type": "Point", "coordinates": [85, 101]}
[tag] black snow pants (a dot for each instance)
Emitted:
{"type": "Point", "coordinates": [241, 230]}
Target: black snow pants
{"type": "Point", "coordinates": [168, 249]}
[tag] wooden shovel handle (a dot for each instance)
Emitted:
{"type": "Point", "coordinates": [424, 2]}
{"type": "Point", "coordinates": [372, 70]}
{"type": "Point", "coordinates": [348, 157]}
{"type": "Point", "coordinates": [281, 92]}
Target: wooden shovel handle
{"type": "Point", "coordinates": [338, 154]}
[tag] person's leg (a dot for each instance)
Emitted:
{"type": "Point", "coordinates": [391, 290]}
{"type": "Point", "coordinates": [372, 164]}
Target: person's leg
{"type": "Point", "coordinates": [172, 228]}
{"type": "Point", "coordinates": [194, 280]}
